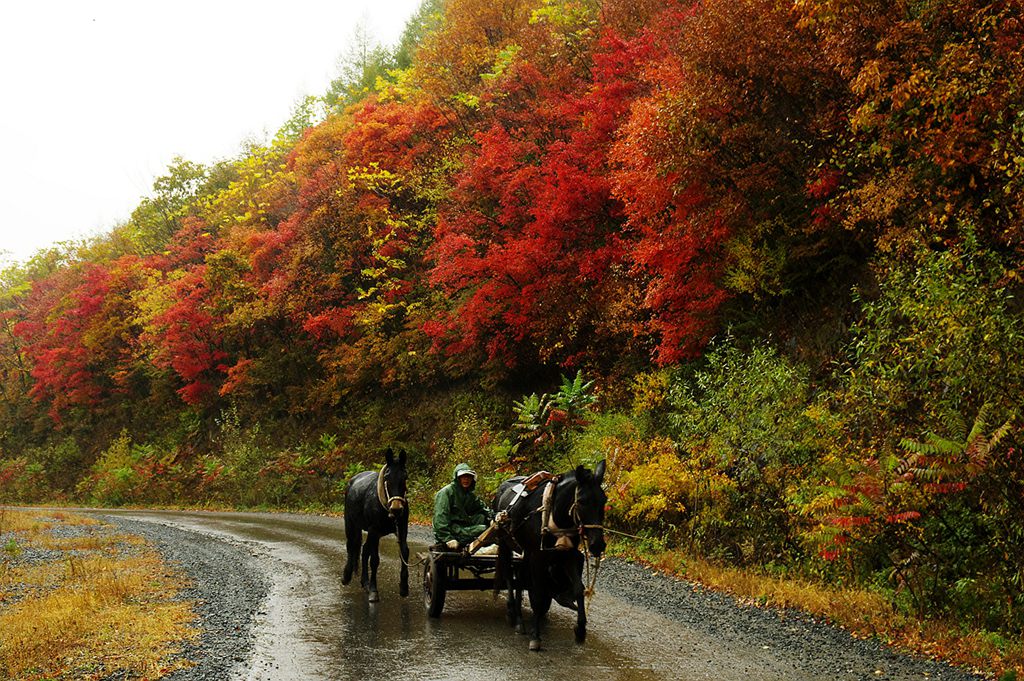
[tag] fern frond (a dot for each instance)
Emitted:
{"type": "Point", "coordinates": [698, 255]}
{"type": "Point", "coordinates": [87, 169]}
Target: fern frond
{"type": "Point", "coordinates": [980, 422]}
{"type": "Point", "coordinates": [928, 474]}
{"type": "Point", "coordinates": [996, 437]}
{"type": "Point", "coordinates": [935, 446]}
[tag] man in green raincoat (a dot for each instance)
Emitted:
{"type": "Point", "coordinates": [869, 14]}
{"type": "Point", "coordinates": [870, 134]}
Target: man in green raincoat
{"type": "Point", "coordinates": [459, 514]}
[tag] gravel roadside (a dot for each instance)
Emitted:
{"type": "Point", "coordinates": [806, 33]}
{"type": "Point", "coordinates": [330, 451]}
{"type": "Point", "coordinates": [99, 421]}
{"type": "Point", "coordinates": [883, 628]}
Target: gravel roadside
{"type": "Point", "coordinates": [230, 583]}
{"type": "Point", "coordinates": [813, 647]}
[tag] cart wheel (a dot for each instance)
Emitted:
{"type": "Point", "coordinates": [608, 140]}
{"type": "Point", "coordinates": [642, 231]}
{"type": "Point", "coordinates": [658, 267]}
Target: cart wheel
{"type": "Point", "coordinates": [433, 587]}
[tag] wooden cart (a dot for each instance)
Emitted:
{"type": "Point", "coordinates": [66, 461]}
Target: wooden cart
{"type": "Point", "coordinates": [445, 570]}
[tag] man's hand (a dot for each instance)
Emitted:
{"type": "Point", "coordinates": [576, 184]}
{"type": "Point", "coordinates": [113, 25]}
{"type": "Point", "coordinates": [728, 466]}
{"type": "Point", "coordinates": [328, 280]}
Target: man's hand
{"type": "Point", "coordinates": [452, 544]}
{"type": "Point", "coordinates": [501, 518]}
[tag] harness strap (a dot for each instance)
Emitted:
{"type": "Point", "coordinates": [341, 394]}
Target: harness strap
{"type": "Point", "coordinates": [547, 517]}
{"type": "Point", "coordinates": [547, 521]}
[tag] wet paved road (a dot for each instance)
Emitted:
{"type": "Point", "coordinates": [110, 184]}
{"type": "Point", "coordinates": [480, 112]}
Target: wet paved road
{"type": "Point", "coordinates": [311, 627]}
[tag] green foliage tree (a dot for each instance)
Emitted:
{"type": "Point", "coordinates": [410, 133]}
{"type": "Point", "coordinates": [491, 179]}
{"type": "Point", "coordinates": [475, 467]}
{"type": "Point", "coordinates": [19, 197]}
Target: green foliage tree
{"type": "Point", "coordinates": [424, 21]}
{"type": "Point", "coordinates": [942, 334]}
{"type": "Point", "coordinates": [157, 218]}
{"type": "Point", "coordinates": [364, 62]}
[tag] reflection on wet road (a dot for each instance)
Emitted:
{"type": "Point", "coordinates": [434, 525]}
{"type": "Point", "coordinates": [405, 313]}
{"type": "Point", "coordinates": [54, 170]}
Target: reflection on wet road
{"type": "Point", "coordinates": [312, 627]}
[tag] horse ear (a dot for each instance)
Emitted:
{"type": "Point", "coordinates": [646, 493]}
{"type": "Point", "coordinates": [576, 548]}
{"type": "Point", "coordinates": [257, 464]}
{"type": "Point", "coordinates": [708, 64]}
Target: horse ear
{"type": "Point", "coordinates": [582, 473]}
{"type": "Point", "coordinates": [389, 456]}
{"type": "Point", "coordinates": [599, 471]}
{"type": "Point", "coordinates": [401, 457]}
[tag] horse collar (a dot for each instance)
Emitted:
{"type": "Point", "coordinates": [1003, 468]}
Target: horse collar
{"type": "Point", "coordinates": [548, 523]}
{"type": "Point", "coordinates": [550, 526]}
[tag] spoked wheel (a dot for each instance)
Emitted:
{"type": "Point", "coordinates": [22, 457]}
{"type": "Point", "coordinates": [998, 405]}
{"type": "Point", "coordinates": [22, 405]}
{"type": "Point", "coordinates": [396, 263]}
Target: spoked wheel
{"type": "Point", "coordinates": [433, 587]}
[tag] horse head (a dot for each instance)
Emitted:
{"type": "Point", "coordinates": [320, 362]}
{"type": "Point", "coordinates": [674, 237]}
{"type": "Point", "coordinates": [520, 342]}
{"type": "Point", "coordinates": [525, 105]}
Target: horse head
{"type": "Point", "coordinates": [588, 507]}
{"type": "Point", "coordinates": [391, 483]}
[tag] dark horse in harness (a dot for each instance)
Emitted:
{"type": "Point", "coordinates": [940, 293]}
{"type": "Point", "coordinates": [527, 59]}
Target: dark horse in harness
{"type": "Point", "coordinates": [375, 502]}
{"type": "Point", "coordinates": [573, 519]}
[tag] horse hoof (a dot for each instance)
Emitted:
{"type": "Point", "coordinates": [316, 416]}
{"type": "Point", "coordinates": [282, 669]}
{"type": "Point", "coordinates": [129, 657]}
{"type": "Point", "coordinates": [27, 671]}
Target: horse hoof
{"type": "Point", "coordinates": [535, 645]}
{"type": "Point", "coordinates": [581, 634]}
{"type": "Point", "coordinates": [403, 591]}
{"type": "Point", "coordinates": [520, 628]}
{"type": "Point", "coordinates": [374, 597]}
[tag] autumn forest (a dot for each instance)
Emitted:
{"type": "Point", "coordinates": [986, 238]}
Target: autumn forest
{"type": "Point", "coordinates": [764, 257]}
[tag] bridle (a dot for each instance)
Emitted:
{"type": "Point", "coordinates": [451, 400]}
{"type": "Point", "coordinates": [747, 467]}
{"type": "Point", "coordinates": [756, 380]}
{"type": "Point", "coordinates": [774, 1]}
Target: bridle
{"type": "Point", "coordinates": [578, 528]}
{"type": "Point", "coordinates": [591, 581]}
{"type": "Point", "coordinates": [384, 495]}
{"type": "Point", "coordinates": [574, 513]}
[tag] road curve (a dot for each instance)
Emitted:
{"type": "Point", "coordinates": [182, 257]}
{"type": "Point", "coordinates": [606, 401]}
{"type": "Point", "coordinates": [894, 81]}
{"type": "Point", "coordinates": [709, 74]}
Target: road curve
{"type": "Point", "coordinates": [281, 575]}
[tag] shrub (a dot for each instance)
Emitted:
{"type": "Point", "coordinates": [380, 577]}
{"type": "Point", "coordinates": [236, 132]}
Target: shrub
{"type": "Point", "coordinates": [742, 423]}
{"type": "Point", "coordinates": [22, 481]}
{"type": "Point", "coordinates": [61, 461]}
{"type": "Point", "coordinates": [545, 424]}
{"type": "Point", "coordinates": [233, 475]}
{"type": "Point", "coordinates": [474, 442]}
{"type": "Point", "coordinates": [913, 496]}
{"type": "Point", "coordinates": [113, 479]}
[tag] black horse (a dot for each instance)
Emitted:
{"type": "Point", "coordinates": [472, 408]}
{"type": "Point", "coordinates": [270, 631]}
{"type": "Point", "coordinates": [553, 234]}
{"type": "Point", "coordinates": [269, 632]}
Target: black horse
{"type": "Point", "coordinates": [375, 502]}
{"type": "Point", "coordinates": [552, 559]}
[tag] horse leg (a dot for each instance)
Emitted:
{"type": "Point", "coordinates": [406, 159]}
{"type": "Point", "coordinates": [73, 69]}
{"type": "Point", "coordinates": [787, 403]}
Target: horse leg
{"type": "Point", "coordinates": [353, 540]}
{"type": "Point", "coordinates": [517, 613]}
{"type": "Point", "coordinates": [540, 598]}
{"type": "Point", "coordinates": [364, 579]}
{"type": "Point", "coordinates": [372, 547]}
{"type": "Point", "coordinates": [540, 603]}
{"type": "Point", "coordinates": [403, 552]}
{"type": "Point", "coordinates": [575, 567]}
{"type": "Point", "coordinates": [513, 593]}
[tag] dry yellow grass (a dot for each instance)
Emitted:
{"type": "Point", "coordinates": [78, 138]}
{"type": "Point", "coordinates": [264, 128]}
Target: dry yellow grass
{"type": "Point", "coordinates": [863, 613]}
{"type": "Point", "coordinates": [90, 613]}
{"type": "Point", "coordinates": [12, 520]}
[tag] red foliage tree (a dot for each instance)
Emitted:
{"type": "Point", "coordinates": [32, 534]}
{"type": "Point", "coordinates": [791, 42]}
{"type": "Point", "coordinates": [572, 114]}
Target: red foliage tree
{"type": "Point", "coordinates": [79, 330]}
{"type": "Point", "coordinates": [529, 244]}
{"type": "Point", "coordinates": [186, 339]}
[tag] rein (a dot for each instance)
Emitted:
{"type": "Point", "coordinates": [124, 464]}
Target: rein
{"type": "Point", "coordinates": [591, 583]}
{"type": "Point", "coordinates": [383, 495]}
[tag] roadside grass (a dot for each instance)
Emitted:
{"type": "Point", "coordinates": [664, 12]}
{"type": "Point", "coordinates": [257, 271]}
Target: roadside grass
{"type": "Point", "coordinates": [91, 605]}
{"type": "Point", "coordinates": [865, 614]}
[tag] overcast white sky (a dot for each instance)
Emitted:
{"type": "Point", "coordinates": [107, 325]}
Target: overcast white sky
{"type": "Point", "coordinates": [98, 96]}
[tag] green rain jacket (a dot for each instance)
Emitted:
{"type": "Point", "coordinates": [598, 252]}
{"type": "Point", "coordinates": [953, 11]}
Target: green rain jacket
{"type": "Point", "coordinates": [459, 514]}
